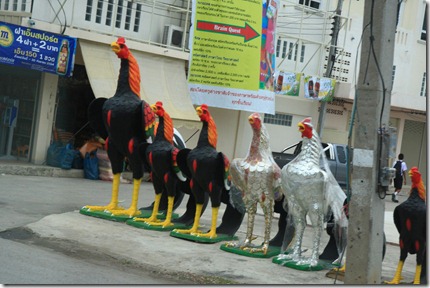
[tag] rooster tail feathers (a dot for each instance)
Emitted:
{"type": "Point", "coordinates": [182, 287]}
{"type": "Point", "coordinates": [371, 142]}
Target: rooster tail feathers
{"type": "Point", "coordinates": [148, 121]}
{"type": "Point", "coordinates": [175, 166]}
{"type": "Point", "coordinates": [95, 117]}
{"type": "Point", "coordinates": [236, 199]}
{"type": "Point", "coordinates": [181, 161]}
{"type": "Point", "coordinates": [225, 163]}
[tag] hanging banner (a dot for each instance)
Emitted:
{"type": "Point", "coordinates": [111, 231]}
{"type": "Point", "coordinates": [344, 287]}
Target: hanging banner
{"type": "Point", "coordinates": [287, 83]}
{"type": "Point", "coordinates": [319, 88]}
{"type": "Point", "coordinates": [37, 49]}
{"type": "Point", "coordinates": [232, 59]}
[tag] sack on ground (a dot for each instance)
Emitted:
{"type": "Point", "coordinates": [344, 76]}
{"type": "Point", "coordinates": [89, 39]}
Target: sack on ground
{"type": "Point", "coordinates": [91, 166]}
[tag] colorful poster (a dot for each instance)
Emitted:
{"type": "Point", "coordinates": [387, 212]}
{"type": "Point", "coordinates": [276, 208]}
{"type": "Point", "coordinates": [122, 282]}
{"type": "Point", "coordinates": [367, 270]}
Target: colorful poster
{"type": "Point", "coordinates": [36, 49]}
{"type": "Point", "coordinates": [232, 59]}
{"type": "Point", "coordinates": [287, 83]}
{"type": "Point", "coordinates": [319, 88]}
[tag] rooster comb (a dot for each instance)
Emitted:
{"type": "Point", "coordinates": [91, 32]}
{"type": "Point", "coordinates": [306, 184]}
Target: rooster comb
{"type": "Point", "coordinates": [308, 121]}
{"type": "Point", "coordinates": [159, 104]}
{"type": "Point", "coordinates": [204, 106]}
{"type": "Point", "coordinates": [121, 40]}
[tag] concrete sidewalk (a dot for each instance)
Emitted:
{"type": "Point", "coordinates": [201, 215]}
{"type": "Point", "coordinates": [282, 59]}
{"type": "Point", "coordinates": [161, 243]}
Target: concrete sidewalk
{"type": "Point", "coordinates": [159, 251]}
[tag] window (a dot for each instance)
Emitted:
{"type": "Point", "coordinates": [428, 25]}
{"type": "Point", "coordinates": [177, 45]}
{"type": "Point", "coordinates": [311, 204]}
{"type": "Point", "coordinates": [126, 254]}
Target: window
{"type": "Point", "coordinates": [284, 50]}
{"type": "Point", "coordinates": [424, 31]}
{"type": "Point", "coordinates": [119, 14]}
{"type": "Point", "coordinates": [99, 11]}
{"type": "Point", "coordinates": [128, 15]}
{"type": "Point", "coordinates": [137, 18]}
{"type": "Point", "coordinates": [23, 5]}
{"type": "Point", "coordinates": [295, 51]}
{"type": "Point", "coordinates": [290, 51]}
{"type": "Point", "coordinates": [424, 86]}
{"type": "Point", "coordinates": [15, 5]}
{"type": "Point", "coordinates": [88, 10]}
{"type": "Point", "coordinates": [394, 73]}
{"type": "Point", "coordinates": [278, 119]}
{"type": "Point", "coordinates": [311, 3]}
{"type": "Point", "coordinates": [302, 53]}
{"type": "Point", "coordinates": [278, 47]}
{"type": "Point", "coordinates": [109, 13]}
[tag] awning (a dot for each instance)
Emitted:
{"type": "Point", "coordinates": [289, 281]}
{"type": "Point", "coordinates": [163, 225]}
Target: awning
{"type": "Point", "coordinates": [162, 79]}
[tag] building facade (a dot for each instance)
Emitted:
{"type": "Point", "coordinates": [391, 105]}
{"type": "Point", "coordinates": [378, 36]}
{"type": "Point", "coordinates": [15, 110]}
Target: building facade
{"type": "Point", "coordinates": [157, 32]}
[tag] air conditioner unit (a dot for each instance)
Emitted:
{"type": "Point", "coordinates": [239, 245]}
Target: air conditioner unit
{"type": "Point", "coordinates": [172, 35]}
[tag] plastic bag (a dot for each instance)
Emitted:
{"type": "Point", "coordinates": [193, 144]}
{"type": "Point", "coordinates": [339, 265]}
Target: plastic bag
{"type": "Point", "coordinates": [53, 157]}
{"type": "Point", "coordinates": [91, 166]}
{"type": "Point", "coordinates": [67, 155]}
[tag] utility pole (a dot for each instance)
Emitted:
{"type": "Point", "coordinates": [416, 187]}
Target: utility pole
{"type": "Point", "coordinates": [373, 99]}
{"type": "Point", "coordinates": [330, 61]}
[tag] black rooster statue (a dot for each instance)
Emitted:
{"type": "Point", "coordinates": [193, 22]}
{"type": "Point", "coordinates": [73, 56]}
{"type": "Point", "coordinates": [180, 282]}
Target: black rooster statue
{"type": "Point", "coordinates": [208, 170]}
{"type": "Point", "coordinates": [165, 174]}
{"type": "Point", "coordinates": [125, 121]}
{"type": "Point", "coordinates": [410, 220]}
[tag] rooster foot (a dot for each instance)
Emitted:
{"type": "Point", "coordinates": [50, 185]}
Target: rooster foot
{"type": "Point", "coordinates": [186, 231]}
{"type": "Point", "coordinates": [209, 235]}
{"type": "Point", "coordinates": [163, 224]}
{"type": "Point", "coordinates": [232, 244]}
{"type": "Point", "coordinates": [103, 208]}
{"type": "Point", "coordinates": [394, 281]}
{"type": "Point", "coordinates": [150, 219]}
{"type": "Point", "coordinates": [341, 269]}
{"type": "Point", "coordinates": [129, 212]}
{"type": "Point", "coordinates": [262, 249]}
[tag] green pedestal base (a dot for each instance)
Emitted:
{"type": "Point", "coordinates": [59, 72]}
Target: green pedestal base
{"type": "Point", "coordinates": [105, 215]}
{"type": "Point", "coordinates": [219, 238]}
{"type": "Point", "coordinates": [143, 225]}
{"type": "Point", "coordinates": [272, 251]}
{"type": "Point", "coordinates": [146, 213]}
{"type": "Point", "coordinates": [322, 264]}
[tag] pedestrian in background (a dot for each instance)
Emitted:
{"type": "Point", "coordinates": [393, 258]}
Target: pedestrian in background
{"type": "Point", "coordinates": [400, 178]}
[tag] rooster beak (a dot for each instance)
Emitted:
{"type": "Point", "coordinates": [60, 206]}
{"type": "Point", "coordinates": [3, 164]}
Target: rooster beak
{"type": "Point", "coordinates": [154, 108]}
{"type": "Point", "coordinates": [251, 120]}
{"type": "Point", "coordinates": [301, 127]}
{"type": "Point", "coordinates": [115, 47]}
{"type": "Point", "coordinates": [199, 111]}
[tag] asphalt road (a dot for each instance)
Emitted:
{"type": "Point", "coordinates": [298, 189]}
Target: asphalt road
{"type": "Point", "coordinates": [64, 252]}
{"type": "Point", "coordinates": [29, 259]}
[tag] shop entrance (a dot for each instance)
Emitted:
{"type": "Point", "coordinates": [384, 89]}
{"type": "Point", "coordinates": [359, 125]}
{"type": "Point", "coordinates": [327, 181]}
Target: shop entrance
{"type": "Point", "coordinates": [18, 97]}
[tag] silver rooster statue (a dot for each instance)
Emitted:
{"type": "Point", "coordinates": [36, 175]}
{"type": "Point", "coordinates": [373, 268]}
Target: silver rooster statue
{"type": "Point", "coordinates": [311, 191]}
{"type": "Point", "coordinates": [258, 178]}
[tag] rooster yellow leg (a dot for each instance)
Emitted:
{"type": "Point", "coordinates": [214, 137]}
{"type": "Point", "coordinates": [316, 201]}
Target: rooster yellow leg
{"type": "Point", "coordinates": [132, 211]}
{"type": "Point", "coordinates": [153, 217]}
{"type": "Point", "coordinates": [417, 275]}
{"type": "Point", "coordinates": [113, 205]}
{"type": "Point", "coordinates": [193, 229]}
{"type": "Point", "coordinates": [398, 275]}
{"type": "Point", "coordinates": [168, 221]}
{"type": "Point", "coordinates": [212, 233]}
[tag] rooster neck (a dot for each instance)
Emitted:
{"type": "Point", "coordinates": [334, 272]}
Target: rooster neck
{"type": "Point", "coordinates": [129, 77]}
{"type": "Point", "coordinates": [254, 149]}
{"type": "Point", "coordinates": [164, 130]}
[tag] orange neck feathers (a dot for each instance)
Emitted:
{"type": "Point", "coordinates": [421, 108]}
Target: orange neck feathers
{"type": "Point", "coordinates": [212, 132]}
{"type": "Point", "coordinates": [168, 128]}
{"type": "Point", "coordinates": [134, 75]}
{"type": "Point", "coordinates": [421, 189]}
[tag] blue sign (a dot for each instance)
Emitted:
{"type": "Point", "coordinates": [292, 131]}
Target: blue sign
{"type": "Point", "coordinates": [37, 49]}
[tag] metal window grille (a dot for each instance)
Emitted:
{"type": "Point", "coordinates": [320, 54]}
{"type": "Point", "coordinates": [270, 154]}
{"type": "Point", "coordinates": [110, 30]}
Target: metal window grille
{"type": "Point", "coordinates": [394, 73]}
{"type": "Point", "coordinates": [284, 49]}
{"type": "Point", "coordinates": [15, 5]}
{"type": "Point", "coordinates": [279, 119]}
{"type": "Point", "coordinates": [23, 5]}
{"type": "Point", "coordinates": [278, 47]}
